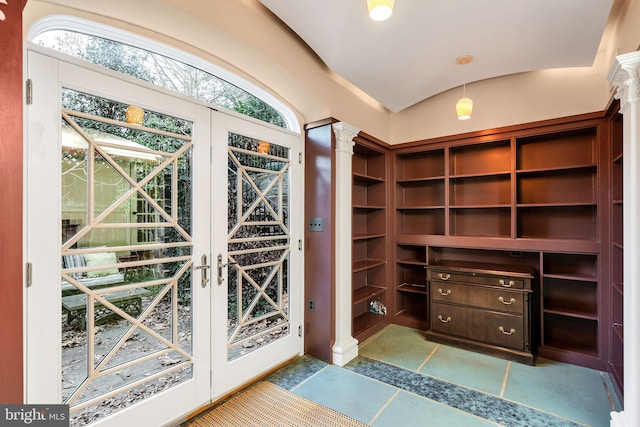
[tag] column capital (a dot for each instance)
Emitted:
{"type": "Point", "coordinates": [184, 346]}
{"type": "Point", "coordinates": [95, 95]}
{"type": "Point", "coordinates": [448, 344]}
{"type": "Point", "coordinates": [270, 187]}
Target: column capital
{"type": "Point", "coordinates": [344, 136]}
{"type": "Point", "coordinates": [624, 75]}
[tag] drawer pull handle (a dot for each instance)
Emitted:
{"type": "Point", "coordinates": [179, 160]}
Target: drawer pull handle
{"type": "Point", "coordinates": [443, 292]}
{"type": "Point", "coordinates": [511, 331]}
{"type": "Point", "coordinates": [511, 301]}
{"type": "Point", "coordinates": [506, 284]}
{"type": "Point", "coordinates": [447, 320]}
{"type": "Point", "coordinates": [444, 276]}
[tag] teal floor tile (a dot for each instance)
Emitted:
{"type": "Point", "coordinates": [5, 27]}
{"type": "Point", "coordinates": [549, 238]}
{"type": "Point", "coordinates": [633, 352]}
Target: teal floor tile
{"type": "Point", "coordinates": [566, 390]}
{"type": "Point", "coordinates": [466, 368]}
{"type": "Point", "coordinates": [410, 410]}
{"type": "Point", "coordinates": [346, 392]}
{"type": "Point", "coordinates": [400, 346]}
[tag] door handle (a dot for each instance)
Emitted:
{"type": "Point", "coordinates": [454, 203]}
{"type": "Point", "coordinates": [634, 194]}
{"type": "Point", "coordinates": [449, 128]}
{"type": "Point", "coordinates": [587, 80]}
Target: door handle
{"type": "Point", "coordinates": [220, 267]}
{"type": "Point", "coordinates": [205, 268]}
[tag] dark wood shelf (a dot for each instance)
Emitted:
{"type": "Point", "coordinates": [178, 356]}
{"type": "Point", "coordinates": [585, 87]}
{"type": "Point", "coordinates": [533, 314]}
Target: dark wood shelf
{"type": "Point", "coordinates": [487, 206]}
{"type": "Point", "coordinates": [557, 205]}
{"type": "Point", "coordinates": [367, 236]}
{"type": "Point", "coordinates": [367, 264]}
{"type": "Point", "coordinates": [371, 207]}
{"type": "Point", "coordinates": [576, 277]}
{"type": "Point", "coordinates": [420, 180]}
{"type": "Point", "coordinates": [505, 174]}
{"type": "Point", "coordinates": [412, 288]}
{"type": "Point", "coordinates": [420, 208]}
{"type": "Point", "coordinates": [589, 349]}
{"type": "Point", "coordinates": [367, 179]}
{"type": "Point", "coordinates": [558, 169]}
{"type": "Point", "coordinates": [411, 262]}
{"type": "Point", "coordinates": [366, 293]}
{"type": "Point", "coordinates": [572, 313]}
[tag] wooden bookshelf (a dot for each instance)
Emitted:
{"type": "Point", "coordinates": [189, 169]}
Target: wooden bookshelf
{"type": "Point", "coordinates": [369, 229]}
{"type": "Point", "coordinates": [536, 190]}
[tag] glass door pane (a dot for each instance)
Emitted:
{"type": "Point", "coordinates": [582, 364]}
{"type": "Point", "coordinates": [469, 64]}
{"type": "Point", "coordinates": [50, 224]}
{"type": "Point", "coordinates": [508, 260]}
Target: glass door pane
{"type": "Point", "coordinates": [258, 244]}
{"type": "Point", "coordinates": [126, 254]}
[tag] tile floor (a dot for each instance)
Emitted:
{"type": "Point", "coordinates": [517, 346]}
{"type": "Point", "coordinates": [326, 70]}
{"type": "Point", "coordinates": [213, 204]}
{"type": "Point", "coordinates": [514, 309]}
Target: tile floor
{"type": "Point", "coordinates": [400, 379]}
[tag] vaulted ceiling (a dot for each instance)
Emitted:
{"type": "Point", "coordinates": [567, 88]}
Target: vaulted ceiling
{"type": "Point", "coordinates": [412, 55]}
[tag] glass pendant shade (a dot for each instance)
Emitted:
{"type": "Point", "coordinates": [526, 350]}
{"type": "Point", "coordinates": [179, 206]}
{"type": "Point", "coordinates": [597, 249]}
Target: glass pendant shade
{"type": "Point", "coordinates": [134, 115]}
{"type": "Point", "coordinates": [379, 10]}
{"type": "Point", "coordinates": [464, 107]}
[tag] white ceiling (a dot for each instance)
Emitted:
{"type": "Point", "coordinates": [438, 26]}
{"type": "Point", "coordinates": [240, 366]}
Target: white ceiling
{"type": "Point", "coordinates": [412, 55]}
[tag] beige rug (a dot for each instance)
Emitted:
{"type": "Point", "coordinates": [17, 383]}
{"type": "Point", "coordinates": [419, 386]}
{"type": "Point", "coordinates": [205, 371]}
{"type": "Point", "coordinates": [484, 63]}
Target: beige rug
{"type": "Point", "coordinates": [267, 405]}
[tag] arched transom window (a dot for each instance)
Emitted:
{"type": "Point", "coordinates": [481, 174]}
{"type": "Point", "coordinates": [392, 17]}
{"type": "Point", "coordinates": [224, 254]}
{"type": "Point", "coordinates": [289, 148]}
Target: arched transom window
{"type": "Point", "coordinates": [160, 65]}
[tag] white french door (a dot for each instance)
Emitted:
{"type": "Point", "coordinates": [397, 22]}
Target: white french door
{"type": "Point", "coordinates": [257, 294]}
{"type": "Point", "coordinates": [129, 315]}
{"type": "Point", "coordinates": [117, 321]}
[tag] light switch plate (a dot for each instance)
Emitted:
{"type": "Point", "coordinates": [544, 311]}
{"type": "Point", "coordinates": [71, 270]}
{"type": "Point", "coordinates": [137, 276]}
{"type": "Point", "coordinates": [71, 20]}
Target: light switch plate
{"type": "Point", "coordinates": [315, 224]}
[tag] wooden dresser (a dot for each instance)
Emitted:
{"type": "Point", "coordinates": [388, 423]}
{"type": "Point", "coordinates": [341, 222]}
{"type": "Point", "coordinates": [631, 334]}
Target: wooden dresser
{"type": "Point", "coordinates": [483, 308]}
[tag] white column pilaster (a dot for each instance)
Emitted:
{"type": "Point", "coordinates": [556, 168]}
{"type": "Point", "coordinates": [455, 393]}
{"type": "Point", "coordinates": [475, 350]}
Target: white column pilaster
{"type": "Point", "coordinates": [345, 347]}
{"type": "Point", "coordinates": [624, 75]}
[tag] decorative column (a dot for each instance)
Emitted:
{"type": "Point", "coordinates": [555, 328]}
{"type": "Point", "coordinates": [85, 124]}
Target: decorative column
{"type": "Point", "coordinates": [345, 347]}
{"type": "Point", "coordinates": [624, 75]}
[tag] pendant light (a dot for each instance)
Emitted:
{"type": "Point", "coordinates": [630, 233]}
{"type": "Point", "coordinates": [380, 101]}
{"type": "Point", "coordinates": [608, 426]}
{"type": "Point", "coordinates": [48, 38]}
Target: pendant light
{"type": "Point", "coordinates": [134, 115]}
{"type": "Point", "coordinates": [379, 10]}
{"type": "Point", "coordinates": [464, 106]}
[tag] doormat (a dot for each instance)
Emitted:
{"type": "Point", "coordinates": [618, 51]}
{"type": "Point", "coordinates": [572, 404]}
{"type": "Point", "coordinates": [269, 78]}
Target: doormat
{"type": "Point", "coordinates": [267, 405]}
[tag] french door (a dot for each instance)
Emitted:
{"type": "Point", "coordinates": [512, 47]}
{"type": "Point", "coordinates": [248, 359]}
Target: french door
{"type": "Point", "coordinates": [257, 294]}
{"type": "Point", "coordinates": [146, 299]}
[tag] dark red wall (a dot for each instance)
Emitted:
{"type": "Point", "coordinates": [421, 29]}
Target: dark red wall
{"type": "Point", "coordinates": [11, 139]}
{"type": "Point", "coordinates": [319, 246]}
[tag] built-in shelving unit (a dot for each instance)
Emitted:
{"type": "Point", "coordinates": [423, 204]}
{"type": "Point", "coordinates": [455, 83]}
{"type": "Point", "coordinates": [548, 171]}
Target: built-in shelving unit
{"type": "Point", "coordinates": [545, 196]}
{"type": "Point", "coordinates": [536, 190]}
{"type": "Point", "coordinates": [616, 363]}
{"type": "Point", "coordinates": [369, 229]}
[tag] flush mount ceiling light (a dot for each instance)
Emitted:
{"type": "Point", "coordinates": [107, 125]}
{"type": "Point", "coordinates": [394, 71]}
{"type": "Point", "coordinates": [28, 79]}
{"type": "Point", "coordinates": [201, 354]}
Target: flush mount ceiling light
{"type": "Point", "coordinates": [464, 106]}
{"type": "Point", "coordinates": [379, 10]}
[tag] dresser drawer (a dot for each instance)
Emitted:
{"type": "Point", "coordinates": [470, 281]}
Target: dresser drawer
{"type": "Point", "coordinates": [479, 296]}
{"type": "Point", "coordinates": [501, 329]}
{"type": "Point", "coordinates": [443, 275]}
